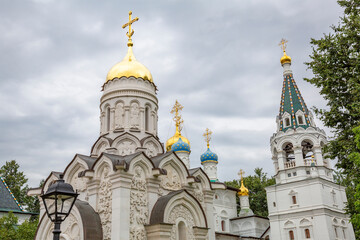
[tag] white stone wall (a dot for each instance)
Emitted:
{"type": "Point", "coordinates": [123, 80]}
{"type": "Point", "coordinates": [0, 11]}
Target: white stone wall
{"type": "Point", "coordinates": [224, 209]}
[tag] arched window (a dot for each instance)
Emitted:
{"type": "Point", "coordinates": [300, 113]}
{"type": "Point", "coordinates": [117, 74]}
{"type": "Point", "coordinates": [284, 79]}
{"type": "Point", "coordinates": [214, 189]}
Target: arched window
{"type": "Point", "coordinates": [291, 235]}
{"type": "Point", "coordinates": [307, 150]}
{"type": "Point", "coordinates": [108, 119]}
{"type": "Point", "coordinates": [147, 117]}
{"type": "Point", "coordinates": [344, 233]}
{"type": "Point", "coordinates": [289, 155]}
{"type": "Point", "coordinates": [267, 237]}
{"type": "Point", "coordinates": [223, 228]}
{"type": "Point", "coordinates": [294, 199]}
{"type": "Point", "coordinates": [287, 122]}
{"type": "Point", "coordinates": [182, 231]}
{"type": "Point", "coordinates": [307, 233]}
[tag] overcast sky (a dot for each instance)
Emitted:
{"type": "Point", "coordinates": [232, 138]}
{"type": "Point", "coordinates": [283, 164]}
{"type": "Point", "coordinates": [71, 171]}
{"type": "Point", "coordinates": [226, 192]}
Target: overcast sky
{"type": "Point", "coordinates": [219, 59]}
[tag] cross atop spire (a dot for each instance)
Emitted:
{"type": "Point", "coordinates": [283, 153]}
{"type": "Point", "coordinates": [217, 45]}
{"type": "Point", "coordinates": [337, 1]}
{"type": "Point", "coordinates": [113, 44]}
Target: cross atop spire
{"type": "Point", "coordinates": [241, 173]}
{"type": "Point", "coordinates": [207, 136]}
{"type": "Point", "coordinates": [283, 44]}
{"type": "Point", "coordinates": [131, 31]}
{"type": "Point", "coordinates": [177, 118]}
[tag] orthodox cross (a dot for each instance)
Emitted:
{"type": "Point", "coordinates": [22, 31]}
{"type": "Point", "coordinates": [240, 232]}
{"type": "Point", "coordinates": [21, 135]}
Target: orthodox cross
{"type": "Point", "coordinates": [241, 173]}
{"type": "Point", "coordinates": [131, 21]}
{"type": "Point", "coordinates": [283, 44]}
{"type": "Point", "coordinates": [177, 118]}
{"type": "Point", "coordinates": [207, 136]}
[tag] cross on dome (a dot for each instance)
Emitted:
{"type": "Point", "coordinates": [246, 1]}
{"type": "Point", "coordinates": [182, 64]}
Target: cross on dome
{"type": "Point", "coordinates": [283, 44]}
{"type": "Point", "coordinates": [207, 136]}
{"type": "Point", "coordinates": [177, 118]}
{"type": "Point", "coordinates": [241, 173]}
{"type": "Point", "coordinates": [131, 31]}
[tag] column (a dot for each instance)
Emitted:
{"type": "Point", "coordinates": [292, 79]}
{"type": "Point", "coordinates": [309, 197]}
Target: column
{"type": "Point", "coordinates": [299, 160]}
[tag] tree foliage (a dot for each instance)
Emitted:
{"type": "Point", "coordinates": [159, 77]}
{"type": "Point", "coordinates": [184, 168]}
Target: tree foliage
{"type": "Point", "coordinates": [256, 184]}
{"type": "Point", "coordinates": [335, 62]}
{"type": "Point", "coordinates": [10, 230]}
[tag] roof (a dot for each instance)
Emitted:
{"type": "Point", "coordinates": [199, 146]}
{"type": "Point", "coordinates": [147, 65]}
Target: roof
{"type": "Point", "coordinates": [291, 102]}
{"type": "Point", "coordinates": [8, 202]}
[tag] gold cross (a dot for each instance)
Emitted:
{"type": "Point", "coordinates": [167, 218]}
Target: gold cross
{"type": "Point", "coordinates": [241, 173]}
{"type": "Point", "coordinates": [177, 118]}
{"type": "Point", "coordinates": [283, 44]}
{"type": "Point", "coordinates": [131, 21]}
{"type": "Point", "coordinates": [207, 136]}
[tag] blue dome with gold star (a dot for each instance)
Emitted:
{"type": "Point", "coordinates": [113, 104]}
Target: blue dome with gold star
{"type": "Point", "coordinates": [180, 146]}
{"type": "Point", "coordinates": [209, 156]}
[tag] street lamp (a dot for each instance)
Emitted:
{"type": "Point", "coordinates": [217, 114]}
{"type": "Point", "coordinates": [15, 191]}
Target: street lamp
{"type": "Point", "coordinates": [59, 200]}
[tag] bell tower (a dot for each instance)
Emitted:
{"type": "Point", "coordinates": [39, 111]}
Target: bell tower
{"type": "Point", "coordinates": [128, 107]}
{"type": "Point", "coordinates": [305, 200]}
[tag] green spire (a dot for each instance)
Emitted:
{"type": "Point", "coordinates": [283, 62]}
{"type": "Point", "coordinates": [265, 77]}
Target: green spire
{"type": "Point", "coordinates": [293, 110]}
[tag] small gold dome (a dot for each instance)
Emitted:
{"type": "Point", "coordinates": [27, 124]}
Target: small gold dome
{"type": "Point", "coordinates": [174, 139]}
{"type": "Point", "coordinates": [243, 191]}
{"type": "Point", "coordinates": [285, 59]}
{"type": "Point", "coordinates": [129, 67]}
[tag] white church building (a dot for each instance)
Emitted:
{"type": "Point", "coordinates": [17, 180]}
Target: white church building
{"type": "Point", "coordinates": [132, 187]}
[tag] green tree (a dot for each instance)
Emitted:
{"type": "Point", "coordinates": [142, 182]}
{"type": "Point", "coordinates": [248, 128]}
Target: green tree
{"type": "Point", "coordinates": [335, 63]}
{"type": "Point", "coordinates": [8, 227]}
{"type": "Point", "coordinates": [256, 184]}
{"type": "Point", "coordinates": [10, 230]}
{"type": "Point", "coordinates": [15, 179]}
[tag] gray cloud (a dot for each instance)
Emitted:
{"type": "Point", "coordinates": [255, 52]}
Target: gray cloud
{"type": "Point", "coordinates": [219, 59]}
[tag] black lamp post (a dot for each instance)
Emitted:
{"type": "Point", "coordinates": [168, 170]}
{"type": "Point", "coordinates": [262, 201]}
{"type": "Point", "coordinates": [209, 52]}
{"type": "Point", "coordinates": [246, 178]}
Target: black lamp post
{"type": "Point", "coordinates": [59, 200]}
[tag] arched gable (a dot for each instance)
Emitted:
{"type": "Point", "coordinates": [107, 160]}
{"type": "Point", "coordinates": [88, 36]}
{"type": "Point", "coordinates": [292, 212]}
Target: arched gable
{"type": "Point", "coordinates": [178, 205]}
{"type": "Point", "coordinates": [204, 179]}
{"type": "Point", "coordinates": [152, 145]}
{"type": "Point", "coordinates": [142, 161]}
{"type": "Point", "coordinates": [102, 164]}
{"type": "Point", "coordinates": [177, 173]}
{"type": "Point", "coordinates": [100, 145]}
{"type": "Point", "coordinates": [53, 176]}
{"type": "Point", "coordinates": [126, 144]}
{"type": "Point", "coordinates": [72, 171]}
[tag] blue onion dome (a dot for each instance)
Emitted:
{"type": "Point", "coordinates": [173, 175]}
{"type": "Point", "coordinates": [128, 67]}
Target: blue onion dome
{"type": "Point", "coordinates": [209, 156]}
{"type": "Point", "coordinates": [180, 146]}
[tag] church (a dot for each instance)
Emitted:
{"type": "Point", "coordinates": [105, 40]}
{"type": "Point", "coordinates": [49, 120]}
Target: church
{"type": "Point", "coordinates": [132, 187]}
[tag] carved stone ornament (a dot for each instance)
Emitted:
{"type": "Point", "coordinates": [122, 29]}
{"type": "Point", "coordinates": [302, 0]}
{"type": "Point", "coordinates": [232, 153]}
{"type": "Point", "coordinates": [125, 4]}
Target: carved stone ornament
{"type": "Point", "coordinates": [151, 150]}
{"type": "Point", "coordinates": [119, 115]}
{"type": "Point", "coordinates": [71, 228]}
{"type": "Point", "coordinates": [171, 181]}
{"type": "Point", "coordinates": [185, 214]}
{"type": "Point", "coordinates": [79, 183]}
{"type": "Point", "coordinates": [138, 205]}
{"type": "Point", "coordinates": [134, 115]}
{"type": "Point", "coordinates": [198, 193]}
{"type": "Point", "coordinates": [126, 147]}
{"type": "Point", "coordinates": [104, 206]}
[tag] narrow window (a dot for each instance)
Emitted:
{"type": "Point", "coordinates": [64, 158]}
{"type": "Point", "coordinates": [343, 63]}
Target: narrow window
{"type": "Point", "coordinates": [336, 233]}
{"type": "Point", "coordinates": [108, 119]}
{"type": "Point", "coordinates": [289, 174]}
{"type": "Point", "coordinates": [287, 122]}
{"type": "Point", "coordinates": [300, 120]}
{"type": "Point", "coordinates": [294, 173]}
{"type": "Point", "coordinates": [344, 233]}
{"type": "Point", "coordinates": [293, 199]}
{"type": "Point", "coordinates": [182, 231]}
{"type": "Point", "coordinates": [147, 119]}
{"type": "Point", "coordinates": [291, 235]}
{"type": "Point", "coordinates": [274, 203]}
{"type": "Point", "coordinates": [223, 225]}
{"type": "Point", "coordinates": [307, 233]}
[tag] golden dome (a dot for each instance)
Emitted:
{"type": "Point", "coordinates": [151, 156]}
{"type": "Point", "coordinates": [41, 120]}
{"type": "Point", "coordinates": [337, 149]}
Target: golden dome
{"type": "Point", "coordinates": [175, 138]}
{"type": "Point", "coordinates": [243, 191]}
{"type": "Point", "coordinates": [129, 67]}
{"type": "Point", "coordinates": [285, 59]}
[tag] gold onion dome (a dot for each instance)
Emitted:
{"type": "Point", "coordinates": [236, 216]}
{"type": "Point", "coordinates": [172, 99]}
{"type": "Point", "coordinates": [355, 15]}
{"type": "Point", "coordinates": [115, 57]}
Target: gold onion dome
{"type": "Point", "coordinates": [129, 66]}
{"type": "Point", "coordinates": [243, 191]}
{"type": "Point", "coordinates": [285, 59]}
